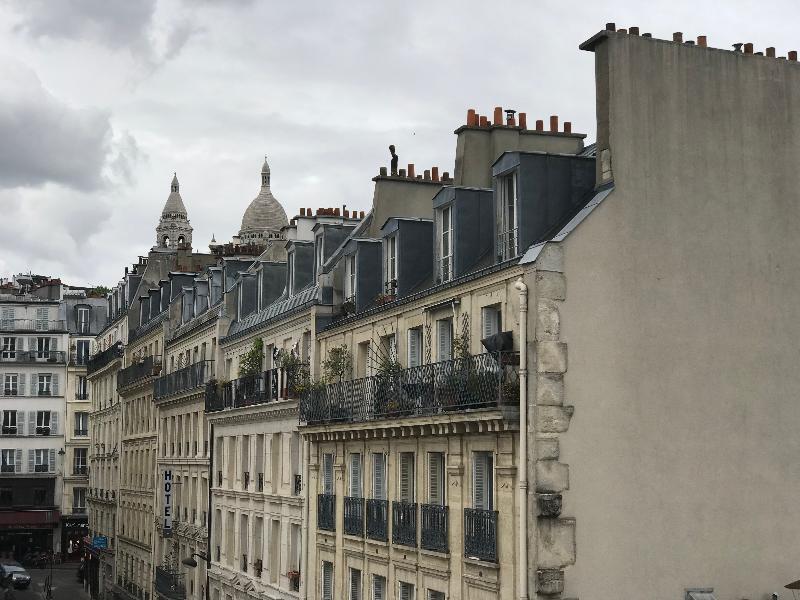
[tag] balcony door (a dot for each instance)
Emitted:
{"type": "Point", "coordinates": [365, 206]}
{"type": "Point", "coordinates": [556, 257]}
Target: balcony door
{"type": "Point", "coordinates": [379, 476]}
{"type": "Point", "coordinates": [482, 480]}
{"type": "Point", "coordinates": [406, 481]}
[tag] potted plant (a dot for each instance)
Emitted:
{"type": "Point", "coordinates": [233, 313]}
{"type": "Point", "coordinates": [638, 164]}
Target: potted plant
{"type": "Point", "coordinates": [348, 307]}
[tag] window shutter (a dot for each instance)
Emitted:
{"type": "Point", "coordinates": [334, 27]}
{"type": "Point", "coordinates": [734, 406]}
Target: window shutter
{"type": "Point", "coordinates": [482, 481]}
{"type": "Point", "coordinates": [54, 422]}
{"type": "Point", "coordinates": [379, 476]}
{"type": "Point", "coordinates": [407, 476]}
{"type": "Point", "coordinates": [21, 384]}
{"type": "Point", "coordinates": [327, 581]}
{"type": "Point", "coordinates": [414, 347]}
{"type": "Point", "coordinates": [54, 343]}
{"type": "Point", "coordinates": [17, 460]}
{"type": "Point", "coordinates": [355, 476]}
{"type": "Point", "coordinates": [355, 584]}
{"type": "Point", "coordinates": [435, 595]}
{"type": "Point", "coordinates": [32, 422]}
{"type": "Point", "coordinates": [31, 344]}
{"type": "Point", "coordinates": [378, 588]}
{"type": "Point", "coordinates": [54, 384]}
{"type": "Point", "coordinates": [51, 465]}
{"type": "Point", "coordinates": [20, 422]}
{"type": "Point", "coordinates": [435, 478]}
{"type": "Point", "coordinates": [327, 473]}
{"type": "Point", "coordinates": [445, 340]}
{"type": "Point", "coordinates": [31, 461]}
{"type": "Point", "coordinates": [20, 345]}
{"type": "Point", "coordinates": [406, 591]}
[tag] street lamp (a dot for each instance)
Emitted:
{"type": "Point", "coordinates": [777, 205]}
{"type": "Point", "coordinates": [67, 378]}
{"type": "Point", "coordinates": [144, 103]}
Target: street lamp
{"type": "Point", "coordinates": [191, 562]}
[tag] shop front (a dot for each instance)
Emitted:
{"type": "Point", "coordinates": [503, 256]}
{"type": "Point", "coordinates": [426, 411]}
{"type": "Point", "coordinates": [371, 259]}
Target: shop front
{"type": "Point", "coordinates": [27, 532]}
{"type": "Point", "coordinates": [73, 530]}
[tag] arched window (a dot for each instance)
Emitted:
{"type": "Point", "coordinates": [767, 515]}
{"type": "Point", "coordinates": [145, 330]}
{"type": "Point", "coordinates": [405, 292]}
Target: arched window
{"type": "Point", "coordinates": [181, 240]}
{"type": "Point", "coordinates": [166, 241]}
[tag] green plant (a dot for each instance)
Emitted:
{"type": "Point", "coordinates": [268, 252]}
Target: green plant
{"type": "Point", "coordinates": [250, 363]}
{"type": "Point", "coordinates": [339, 364]}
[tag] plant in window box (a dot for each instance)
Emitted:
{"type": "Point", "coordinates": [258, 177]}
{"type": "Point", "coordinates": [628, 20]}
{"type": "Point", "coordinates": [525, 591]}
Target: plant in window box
{"type": "Point", "coordinates": [382, 299]}
{"type": "Point", "coordinates": [294, 576]}
{"type": "Point", "coordinates": [348, 307]}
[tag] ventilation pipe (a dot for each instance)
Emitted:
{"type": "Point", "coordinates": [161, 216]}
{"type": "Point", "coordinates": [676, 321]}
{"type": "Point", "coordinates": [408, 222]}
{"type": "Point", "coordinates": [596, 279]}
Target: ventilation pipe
{"type": "Point", "coordinates": [522, 460]}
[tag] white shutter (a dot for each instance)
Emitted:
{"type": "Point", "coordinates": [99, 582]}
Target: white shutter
{"type": "Point", "coordinates": [407, 476]}
{"type": "Point", "coordinates": [327, 581]}
{"type": "Point", "coordinates": [355, 584]}
{"type": "Point", "coordinates": [435, 478]}
{"type": "Point", "coordinates": [18, 461]}
{"type": "Point", "coordinates": [31, 461]}
{"type": "Point", "coordinates": [32, 422]}
{"type": "Point", "coordinates": [490, 321]}
{"type": "Point", "coordinates": [482, 480]}
{"type": "Point", "coordinates": [406, 591]}
{"type": "Point", "coordinates": [53, 343]}
{"type": "Point", "coordinates": [20, 422]}
{"type": "Point", "coordinates": [20, 345]}
{"type": "Point", "coordinates": [445, 335]}
{"type": "Point", "coordinates": [21, 385]}
{"type": "Point", "coordinates": [355, 476]}
{"type": "Point", "coordinates": [32, 344]}
{"type": "Point", "coordinates": [379, 476]}
{"type": "Point", "coordinates": [54, 422]}
{"type": "Point", "coordinates": [54, 384]}
{"type": "Point", "coordinates": [378, 587]}
{"type": "Point", "coordinates": [414, 343]}
{"type": "Point", "coordinates": [435, 595]}
{"type": "Point", "coordinates": [327, 473]}
{"type": "Point", "coordinates": [51, 463]}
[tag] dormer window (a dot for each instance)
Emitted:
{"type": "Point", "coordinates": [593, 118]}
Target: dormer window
{"type": "Point", "coordinates": [507, 240]}
{"type": "Point", "coordinates": [391, 264]}
{"type": "Point", "coordinates": [260, 290]}
{"type": "Point", "coordinates": [320, 252]}
{"type": "Point", "coordinates": [446, 244]}
{"type": "Point", "coordinates": [350, 277]}
{"type": "Point", "coordinates": [290, 274]}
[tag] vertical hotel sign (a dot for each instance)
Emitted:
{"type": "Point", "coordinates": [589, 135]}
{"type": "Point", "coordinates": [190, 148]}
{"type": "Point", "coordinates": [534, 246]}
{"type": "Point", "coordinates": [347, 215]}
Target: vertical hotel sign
{"type": "Point", "coordinates": [166, 511]}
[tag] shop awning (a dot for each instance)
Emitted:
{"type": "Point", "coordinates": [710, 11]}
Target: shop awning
{"type": "Point", "coordinates": [10, 519]}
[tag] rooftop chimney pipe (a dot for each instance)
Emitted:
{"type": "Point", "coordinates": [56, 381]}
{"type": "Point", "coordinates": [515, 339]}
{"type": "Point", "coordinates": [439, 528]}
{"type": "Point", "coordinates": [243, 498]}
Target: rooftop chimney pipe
{"type": "Point", "coordinates": [553, 123]}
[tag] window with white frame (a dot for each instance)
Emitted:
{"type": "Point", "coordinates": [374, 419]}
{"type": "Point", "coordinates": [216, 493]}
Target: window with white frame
{"type": "Point", "coordinates": [406, 591]}
{"type": "Point", "coordinates": [444, 339]}
{"type": "Point", "coordinates": [490, 321]}
{"type": "Point", "coordinates": [379, 481]}
{"type": "Point", "coordinates": [415, 347]}
{"type": "Point", "coordinates": [41, 460]}
{"type": "Point", "coordinates": [391, 264]}
{"type": "Point", "coordinates": [43, 418]}
{"type": "Point", "coordinates": [355, 584]}
{"type": "Point", "coordinates": [327, 580]}
{"type": "Point", "coordinates": [81, 388]}
{"type": "Point", "coordinates": [446, 244]}
{"type": "Point", "coordinates": [45, 384]}
{"type": "Point", "coordinates": [378, 587]}
{"type": "Point", "coordinates": [83, 319]}
{"type": "Point", "coordinates": [290, 270]}
{"type": "Point", "coordinates": [10, 384]}
{"type": "Point", "coordinates": [327, 474]}
{"type": "Point", "coordinates": [350, 277]}
{"type": "Point", "coordinates": [7, 318]}
{"type": "Point", "coordinates": [406, 477]}
{"type": "Point", "coordinates": [8, 461]}
{"type": "Point", "coordinates": [507, 221]}
{"type": "Point", "coordinates": [435, 478]}
{"type": "Point", "coordinates": [79, 499]}
{"type": "Point", "coordinates": [482, 476]}
{"type": "Point", "coordinates": [43, 347]}
{"type": "Point", "coordinates": [9, 347]}
{"type": "Point", "coordinates": [355, 476]}
{"type": "Point", "coordinates": [320, 253]}
{"type": "Point", "coordinates": [82, 351]}
{"type": "Point", "coordinates": [10, 422]}
{"type": "Point", "coordinates": [81, 423]}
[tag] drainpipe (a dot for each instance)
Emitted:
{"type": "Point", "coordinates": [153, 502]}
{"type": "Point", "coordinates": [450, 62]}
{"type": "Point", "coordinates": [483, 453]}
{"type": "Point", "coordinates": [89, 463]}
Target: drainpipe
{"type": "Point", "coordinates": [305, 550]}
{"type": "Point", "coordinates": [522, 460]}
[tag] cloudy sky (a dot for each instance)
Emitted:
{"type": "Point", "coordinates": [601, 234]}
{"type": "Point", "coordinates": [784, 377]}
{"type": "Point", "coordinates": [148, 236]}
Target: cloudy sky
{"type": "Point", "coordinates": [101, 100]}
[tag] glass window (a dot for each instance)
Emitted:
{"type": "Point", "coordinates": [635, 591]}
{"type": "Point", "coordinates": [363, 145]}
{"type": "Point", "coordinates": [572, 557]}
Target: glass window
{"type": "Point", "coordinates": [507, 242]}
{"type": "Point", "coordinates": [406, 477]}
{"type": "Point", "coordinates": [44, 384]}
{"type": "Point", "coordinates": [482, 480]}
{"type": "Point", "coordinates": [79, 499]}
{"type": "Point", "coordinates": [9, 347]}
{"type": "Point", "coordinates": [490, 321]}
{"type": "Point", "coordinates": [6, 497]}
{"type": "Point", "coordinates": [10, 384]}
{"type": "Point", "coordinates": [43, 422]}
{"type": "Point", "coordinates": [43, 347]}
{"type": "Point", "coordinates": [9, 422]}
{"type": "Point", "coordinates": [40, 497]}
{"type": "Point", "coordinates": [350, 277]}
{"type": "Point", "coordinates": [41, 461]}
{"type": "Point", "coordinates": [391, 264]}
{"type": "Point", "coordinates": [446, 244]}
{"type": "Point", "coordinates": [8, 461]}
{"type": "Point", "coordinates": [81, 423]}
{"type": "Point", "coordinates": [83, 320]}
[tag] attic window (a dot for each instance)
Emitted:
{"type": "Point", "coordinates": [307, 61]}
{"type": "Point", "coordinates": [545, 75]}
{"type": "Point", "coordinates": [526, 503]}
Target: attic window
{"type": "Point", "coordinates": [391, 264]}
{"type": "Point", "coordinates": [507, 217]}
{"type": "Point", "coordinates": [349, 277]}
{"type": "Point", "coordinates": [318, 242]}
{"type": "Point", "coordinates": [446, 244]}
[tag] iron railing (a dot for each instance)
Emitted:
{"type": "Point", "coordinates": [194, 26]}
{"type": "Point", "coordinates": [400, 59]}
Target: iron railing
{"type": "Point", "coordinates": [480, 381]}
{"type": "Point", "coordinates": [80, 470]}
{"type": "Point", "coordinates": [169, 583]}
{"type": "Point", "coordinates": [101, 359]}
{"type": "Point", "coordinates": [78, 358]}
{"type": "Point", "coordinates": [188, 378]}
{"type": "Point", "coordinates": [326, 512]}
{"type": "Point", "coordinates": [149, 366]}
{"type": "Point", "coordinates": [434, 534]}
{"type": "Point", "coordinates": [33, 356]}
{"type": "Point", "coordinates": [354, 516]}
{"type": "Point", "coordinates": [32, 325]}
{"type": "Point", "coordinates": [378, 519]}
{"type": "Point", "coordinates": [507, 245]}
{"type": "Point", "coordinates": [480, 534]}
{"type": "Point", "coordinates": [404, 523]}
{"type": "Point", "coordinates": [81, 432]}
{"type": "Point", "coordinates": [267, 386]}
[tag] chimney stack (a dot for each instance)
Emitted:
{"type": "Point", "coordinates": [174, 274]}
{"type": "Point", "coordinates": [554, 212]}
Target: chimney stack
{"type": "Point", "coordinates": [383, 172]}
{"type": "Point", "coordinates": [472, 118]}
{"type": "Point", "coordinates": [539, 125]}
{"type": "Point", "coordinates": [702, 41]}
{"type": "Point", "coordinates": [748, 48]}
{"type": "Point", "coordinates": [611, 26]}
{"type": "Point", "coordinates": [677, 36]}
{"type": "Point", "coordinates": [523, 120]}
{"type": "Point", "coordinates": [771, 52]}
{"type": "Point", "coordinates": [435, 173]}
{"type": "Point", "coordinates": [484, 121]}
{"type": "Point", "coordinates": [634, 31]}
{"type": "Point", "coordinates": [792, 54]}
{"type": "Point", "coordinates": [302, 212]}
{"type": "Point", "coordinates": [567, 127]}
{"type": "Point", "coordinates": [498, 115]}
{"type": "Point", "coordinates": [553, 123]}
{"type": "Point", "coordinates": [427, 174]}
{"type": "Point", "coordinates": [411, 170]}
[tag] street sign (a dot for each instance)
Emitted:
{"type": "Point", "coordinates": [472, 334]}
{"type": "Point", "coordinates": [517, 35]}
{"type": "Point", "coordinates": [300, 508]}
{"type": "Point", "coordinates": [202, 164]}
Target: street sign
{"type": "Point", "coordinates": [166, 514]}
{"type": "Point", "coordinates": [100, 542]}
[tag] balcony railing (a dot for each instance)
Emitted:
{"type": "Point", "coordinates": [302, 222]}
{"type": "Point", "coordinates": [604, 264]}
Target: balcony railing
{"type": "Point", "coordinates": [378, 519]}
{"type": "Point", "coordinates": [480, 534]}
{"type": "Point", "coordinates": [32, 325]}
{"type": "Point", "coordinates": [434, 527]}
{"type": "Point", "coordinates": [101, 359]}
{"type": "Point", "coordinates": [267, 386]}
{"type": "Point", "coordinates": [77, 358]}
{"type": "Point", "coordinates": [33, 356]}
{"type": "Point", "coordinates": [80, 470]}
{"type": "Point", "coordinates": [169, 583]}
{"type": "Point", "coordinates": [78, 510]}
{"type": "Point", "coordinates": [81, 432]}
{"type": "Point", "coordinates": [354, 516]}
{"type": "Point", "coordinates": [81, 395]}
{"type": "Point", "coordinates": [481, 381]}
{"type": "Point", "coordinates": [404, 523]}
{"type": "Point", "coordinates": [188, 378]}
{"type": "Point", "coordinates": [149, 366]}
{"type": "Point", "coordinates": [326, 512]}
{"type": "Point", "coordinates": [507, 246]}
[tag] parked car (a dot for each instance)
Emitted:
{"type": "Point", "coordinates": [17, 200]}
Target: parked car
{"type": "Point", "coordinates": [20, 578]}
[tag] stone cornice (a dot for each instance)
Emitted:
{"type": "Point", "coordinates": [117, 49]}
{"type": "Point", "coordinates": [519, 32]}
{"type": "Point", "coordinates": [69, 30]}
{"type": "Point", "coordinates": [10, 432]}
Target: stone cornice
{"type": "Point", "coordinates": [271, 411]}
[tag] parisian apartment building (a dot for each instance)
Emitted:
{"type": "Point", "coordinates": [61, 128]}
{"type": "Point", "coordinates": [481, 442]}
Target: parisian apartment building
{"type": "Point", "coordinates": [560, 369]}
{"type": "Point", "coordinates": [47, 329]}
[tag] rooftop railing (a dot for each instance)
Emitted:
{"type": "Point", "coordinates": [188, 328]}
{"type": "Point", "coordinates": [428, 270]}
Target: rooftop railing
{"type": "Point", "coordinates": [32, 325]}
{"type": "Point", "coordinates": [149, 366]}
{"type": "Point", "coordinates": [188, 378]}
{"type": "Point", "coordinates": [267, 386]}
{"type": "Point", "coordinates": [101, 359]}
{"type": "Point", "coordinates": [481, 381]}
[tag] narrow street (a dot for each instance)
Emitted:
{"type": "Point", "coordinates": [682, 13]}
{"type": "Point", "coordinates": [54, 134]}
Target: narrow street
{"type": "Point", "coordinates": [65, 585]}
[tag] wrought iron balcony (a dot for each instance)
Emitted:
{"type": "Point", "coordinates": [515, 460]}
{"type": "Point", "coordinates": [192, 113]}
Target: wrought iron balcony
{"type": "Point", "coordinates": [480, 534]}
{"type": "Point", "coordinates": [101, 359]}
{"type": "Point", "coordinates": [169, 583]}
{"type": "Point", "coordinates": [78, 359]}
{"type": "Point", "coordinates": [33, 356]}
{"type": "Point", "coordinates": [188, 378]}
{"type": "Point", "coordinates": [32, 325]}
{"type": "Point", "coordinates": [149, 366]}
{"type": "Point", "coordinates": [81, 432]}
{"type": "Point", "coordinates": [267, 386]}
{"type": "Point", "coordinates": [404, 523]}
{"type": "Point", "coordinates": [434, 527]}
{"type": "Point", "coordinates": [80, 470]}
{"type": "Point", "coordinates": [354, 516]}
{"type": "Point", "coordinates": [481, 381]}
{"type": "Point", "coordinates": [326, 512]}
{"type": "Point", "coordinates": [378, 519]}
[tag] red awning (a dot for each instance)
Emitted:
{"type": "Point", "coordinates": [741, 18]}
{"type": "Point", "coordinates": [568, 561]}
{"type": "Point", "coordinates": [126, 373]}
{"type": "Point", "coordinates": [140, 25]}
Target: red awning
{"type": "Point", "coordinates": [28, 518]}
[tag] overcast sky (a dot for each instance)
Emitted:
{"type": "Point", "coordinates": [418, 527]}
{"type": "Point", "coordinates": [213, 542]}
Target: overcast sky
{"type": "Point", "coordinates": [101, 100]}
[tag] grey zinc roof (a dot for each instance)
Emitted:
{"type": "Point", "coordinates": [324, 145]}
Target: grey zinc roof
{"type": "Point", "coordinates": [276, 309]}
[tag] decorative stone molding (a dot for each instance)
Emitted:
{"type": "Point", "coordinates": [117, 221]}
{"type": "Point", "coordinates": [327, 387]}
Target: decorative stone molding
{"type": "Point", "coordinates": [549, 504]}
{"type": "Point", "coordinates": [550, 581]}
